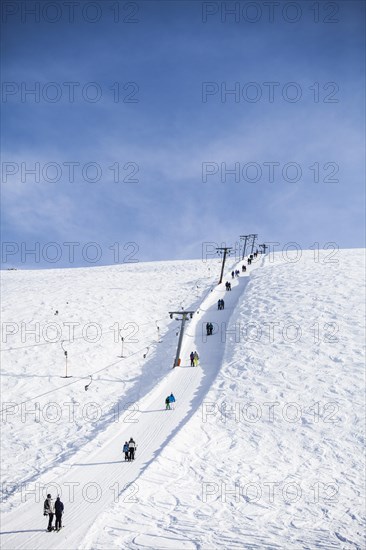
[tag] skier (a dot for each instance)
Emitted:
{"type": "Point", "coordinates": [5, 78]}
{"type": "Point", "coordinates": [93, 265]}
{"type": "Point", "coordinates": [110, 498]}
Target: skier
{"type": "Point", "coordinates": [222, 304]}
{"type": "Point", "coordinates": [196, 359]}
{"type": "Point", "coordinates": [192, 358]}
{"type": "Point", "coordinates": [171, 399]}
{"type": "Point", "coordinates": [125, 450]}
{"type": "Point", "coordinates": [167, 403]}
{"type": "Point", "coordinates": [243, 268]}
{"type": "Point", "coordinates": [229, 286]}
{"type": "Point", "coordinates": [49, 510]}
{"type": "Point", "coordinates": [207, 329]}
{"type": "Point", "coordinates": [219, 304]}
{"type": "Point", "coordinates": [131, 449]}
{"type": "Point", "coordinates": [232, 274]}
{"type": "Point", "coordinates": [59, 510]}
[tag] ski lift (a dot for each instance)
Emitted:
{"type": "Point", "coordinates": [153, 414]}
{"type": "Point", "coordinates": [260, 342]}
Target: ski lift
{"type": "Point", "coordinates": [62, 345]}
{"type": "Point", "coordinates": [122, 342]}
{"type": "Point", "coordinates": [65, 353]}
{"type": "Point", "coordinates": [87, 386]}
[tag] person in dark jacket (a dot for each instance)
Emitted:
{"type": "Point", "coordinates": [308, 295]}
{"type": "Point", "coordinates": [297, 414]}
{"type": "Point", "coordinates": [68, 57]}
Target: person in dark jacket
{"type": "Point", "coordinates": [59, 510]}
{"type": "Point", "coordinates": [167, 403]}
{"type": "Point", "coordinates": [49, 510]}
{"type": "Point", "coordinates": [192, 358]}
{"type": "Point", "coordinates": [125, 450]}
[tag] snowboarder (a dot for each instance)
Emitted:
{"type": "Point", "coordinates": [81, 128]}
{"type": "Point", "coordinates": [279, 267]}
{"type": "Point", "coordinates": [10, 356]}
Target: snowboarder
{"type": "Point", "coordinates": [125, 450]}
{"type": "Point", "coordinates": [171, 399]}
{"type": "Point", "coordinates": [131, 449]}
{"type": "Point", "coordinates": [192, 358]}
{"type": "Point", "coordinates": [196, 359]}
{"type": "Point", "coordinates": [59, 510]}
{"type": "Point", "coordinates": [49, 510]}
{"type": "Point", "coordinates": [167, 403]}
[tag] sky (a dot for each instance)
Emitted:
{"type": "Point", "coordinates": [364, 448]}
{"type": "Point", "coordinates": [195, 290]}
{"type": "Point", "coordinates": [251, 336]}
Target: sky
{"type": "Point", "coordinates": [141, 131]}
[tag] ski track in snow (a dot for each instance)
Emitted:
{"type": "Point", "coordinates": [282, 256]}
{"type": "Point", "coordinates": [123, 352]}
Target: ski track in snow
{"type": "Point", "coordinates": [158, 501]}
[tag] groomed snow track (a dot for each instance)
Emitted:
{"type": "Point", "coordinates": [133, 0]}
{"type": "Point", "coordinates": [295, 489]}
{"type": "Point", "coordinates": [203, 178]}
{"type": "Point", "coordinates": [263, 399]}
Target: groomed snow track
{"type": "Point", "coordinates": [100, 473]}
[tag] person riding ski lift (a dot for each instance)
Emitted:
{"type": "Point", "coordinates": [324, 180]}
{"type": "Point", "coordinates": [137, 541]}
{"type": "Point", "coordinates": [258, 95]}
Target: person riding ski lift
{"type": "Point", "coordinates": [49, 510]}
{"type": "Point", "coordinates": [126, 449]}
{"type": "Point", "coordinates": [131, 449]}
{"type": "Point", "coordinates": [59, 510]}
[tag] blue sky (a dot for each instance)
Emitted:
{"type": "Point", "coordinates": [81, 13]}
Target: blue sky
{"type": "Point", "coordinates": [172, 130]}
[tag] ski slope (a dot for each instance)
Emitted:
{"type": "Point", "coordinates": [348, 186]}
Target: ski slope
{"type": "Point", "coordinates": [224, 468]}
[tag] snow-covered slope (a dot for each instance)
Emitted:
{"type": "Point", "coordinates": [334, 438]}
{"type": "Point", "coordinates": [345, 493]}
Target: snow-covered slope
{"type": "Point", "coordinates": [265, 446]}
{"type": "Point", "coordinates": [46, 417]}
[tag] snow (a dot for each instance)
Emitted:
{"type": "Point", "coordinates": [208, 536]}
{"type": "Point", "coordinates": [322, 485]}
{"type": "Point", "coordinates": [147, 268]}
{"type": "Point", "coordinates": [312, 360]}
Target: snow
{"type": "Point", "coordinates": [264, 448]}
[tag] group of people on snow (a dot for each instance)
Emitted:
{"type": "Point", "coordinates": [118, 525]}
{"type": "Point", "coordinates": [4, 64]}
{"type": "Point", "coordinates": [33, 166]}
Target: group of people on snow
{"type": "Point", "coordinates": [194, 359]}
{"type": "Point", "coordinates": [56, 508]}
{"type": "Point", "coordinates": [51, 509]}
{"type": "Point", "coordinates": [169, 400]}
{"type": "Point", "coordinates": [129, 448]}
